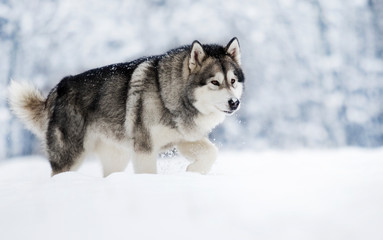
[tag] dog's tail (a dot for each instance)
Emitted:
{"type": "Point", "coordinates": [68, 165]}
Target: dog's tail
{"type": "Point", "coordinates": [28, 104]}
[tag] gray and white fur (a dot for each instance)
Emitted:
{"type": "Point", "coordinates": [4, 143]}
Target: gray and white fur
{"type": "Point", "coordinates": [137, 109]}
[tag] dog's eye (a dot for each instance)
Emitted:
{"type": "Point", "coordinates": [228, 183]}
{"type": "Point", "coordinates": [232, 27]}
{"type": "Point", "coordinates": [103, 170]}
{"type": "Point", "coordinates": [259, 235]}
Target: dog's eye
{"type": "Point", "coordinates": [232, 81]}
{"type": "Point", "coordinates": [215, 82]}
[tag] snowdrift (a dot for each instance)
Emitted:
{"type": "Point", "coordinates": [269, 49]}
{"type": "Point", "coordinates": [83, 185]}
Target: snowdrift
{"type": "Point", "coordinates": [249, 195]}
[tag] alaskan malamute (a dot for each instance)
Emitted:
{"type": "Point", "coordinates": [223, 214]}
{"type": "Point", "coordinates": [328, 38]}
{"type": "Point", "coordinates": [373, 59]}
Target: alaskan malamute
{"type": "Point", "coordinates": [137, 109]}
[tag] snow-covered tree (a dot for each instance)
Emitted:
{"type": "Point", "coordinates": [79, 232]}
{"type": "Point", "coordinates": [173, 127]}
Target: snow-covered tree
{"type": "Point", "coordinates": [314, 67]}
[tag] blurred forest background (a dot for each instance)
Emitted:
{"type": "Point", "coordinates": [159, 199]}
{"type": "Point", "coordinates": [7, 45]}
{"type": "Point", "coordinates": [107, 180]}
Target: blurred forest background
{"type": "Point", "coordinates": [314, 68]}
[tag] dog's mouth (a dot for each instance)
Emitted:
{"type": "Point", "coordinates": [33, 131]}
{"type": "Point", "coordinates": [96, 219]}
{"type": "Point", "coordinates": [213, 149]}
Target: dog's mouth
{"type": "Point", "coordinates": [228, 112]}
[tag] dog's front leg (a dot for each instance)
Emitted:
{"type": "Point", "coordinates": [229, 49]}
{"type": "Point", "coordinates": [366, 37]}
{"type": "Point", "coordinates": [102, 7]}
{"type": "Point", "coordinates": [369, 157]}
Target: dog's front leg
{"type": "Point", "coordinates": [145, 162]}
{"type": "Point", "coordinates": [202, 153]}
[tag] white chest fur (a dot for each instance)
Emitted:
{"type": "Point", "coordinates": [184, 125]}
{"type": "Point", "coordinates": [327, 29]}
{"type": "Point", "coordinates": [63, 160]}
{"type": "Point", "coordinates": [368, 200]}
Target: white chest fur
{"type": "Point", "coordinates": [164, 135]}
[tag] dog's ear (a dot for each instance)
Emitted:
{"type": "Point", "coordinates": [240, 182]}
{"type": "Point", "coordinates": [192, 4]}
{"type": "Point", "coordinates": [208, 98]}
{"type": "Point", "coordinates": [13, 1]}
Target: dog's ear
{"type": "Point", "coordinates": [197, 55]}
{"type": "Point", "coordinates": [233, 50]}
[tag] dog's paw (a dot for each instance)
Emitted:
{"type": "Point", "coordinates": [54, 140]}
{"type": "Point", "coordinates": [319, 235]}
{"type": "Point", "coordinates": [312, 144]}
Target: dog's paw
{"type": "Point", "coordinates": [197, 167]}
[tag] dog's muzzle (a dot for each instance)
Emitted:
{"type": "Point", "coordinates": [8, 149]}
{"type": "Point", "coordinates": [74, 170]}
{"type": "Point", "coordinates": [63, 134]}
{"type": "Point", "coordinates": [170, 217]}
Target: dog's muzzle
{"type": "Point", "coordinates": [234, 104]}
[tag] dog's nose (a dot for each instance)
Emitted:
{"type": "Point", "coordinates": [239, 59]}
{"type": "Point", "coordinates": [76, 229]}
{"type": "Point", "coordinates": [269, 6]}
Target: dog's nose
{"type": "Point", "coordinates": [233, 104]}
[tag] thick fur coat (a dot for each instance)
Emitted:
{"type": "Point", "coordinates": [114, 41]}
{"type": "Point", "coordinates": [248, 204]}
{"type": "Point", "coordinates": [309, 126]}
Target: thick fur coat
{"type": "Point", "coordinates": [137, 109]}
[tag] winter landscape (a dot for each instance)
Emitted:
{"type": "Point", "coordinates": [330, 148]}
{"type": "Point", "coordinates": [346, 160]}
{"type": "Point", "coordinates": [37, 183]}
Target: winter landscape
{"type": "Point", "coordinates": [302, 158]}
{"type": "Point", "coordinates": [265, 195]}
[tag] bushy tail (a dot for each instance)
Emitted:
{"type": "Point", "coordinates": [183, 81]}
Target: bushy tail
{"type": "Point", "coordinates": [28, 104]}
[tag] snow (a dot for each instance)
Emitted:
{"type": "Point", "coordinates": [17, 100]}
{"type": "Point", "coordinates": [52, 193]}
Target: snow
{"type": "Point", "coordinates": [305, 194]}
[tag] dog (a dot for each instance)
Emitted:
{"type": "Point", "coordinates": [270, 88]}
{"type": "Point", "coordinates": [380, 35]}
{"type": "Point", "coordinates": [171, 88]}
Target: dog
{"type": "Point", "coordinates": [136, 110]}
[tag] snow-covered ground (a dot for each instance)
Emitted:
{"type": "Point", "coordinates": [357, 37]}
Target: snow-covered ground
{"type": "Point", "coordinates": [332, 194]}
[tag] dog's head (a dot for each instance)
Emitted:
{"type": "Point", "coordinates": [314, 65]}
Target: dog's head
{"type": "Point", "coordinates": [217, 75]}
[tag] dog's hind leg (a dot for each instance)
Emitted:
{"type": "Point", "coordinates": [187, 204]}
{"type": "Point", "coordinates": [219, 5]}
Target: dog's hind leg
{"type": "Point", "coordinates": [65, 139]}
{"type": "Point", "coordinates": [65, 152]}
{"type": "Point", "coordinates": [202, 153]}
{"type": "Point", "coordinates": [113, 158]}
